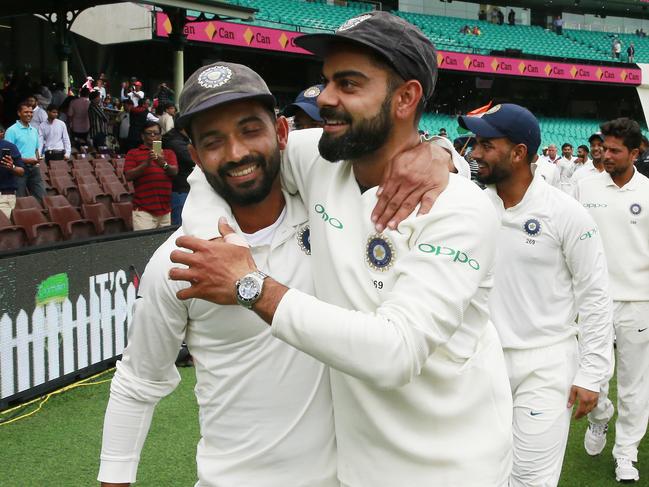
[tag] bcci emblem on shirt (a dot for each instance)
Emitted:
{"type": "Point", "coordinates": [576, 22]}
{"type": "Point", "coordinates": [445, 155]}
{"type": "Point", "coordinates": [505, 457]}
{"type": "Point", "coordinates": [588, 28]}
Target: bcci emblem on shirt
{"type": "Point", "coordinates": [304, 239]}
{"type": "Point", "coordinates": [379, 253]}
{"type": "Point", "coordinates": [635, 209]}
{"type": "Point", "coordinates": [532, 227]}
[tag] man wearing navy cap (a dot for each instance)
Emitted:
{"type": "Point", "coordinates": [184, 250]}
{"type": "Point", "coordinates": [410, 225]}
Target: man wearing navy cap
{"type": "Point", "coordinates": [550, 266]}
{"type": "Point", "coordinates": [304, 109]}
{"type": "Point", "coordinates": [420, 390]}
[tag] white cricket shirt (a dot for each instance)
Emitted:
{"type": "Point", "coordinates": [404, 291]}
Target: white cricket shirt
{"type": "Point", "coordinates": [265, 407]}
{"type": "Point", "coordinates": [622, 215]}
{"type": "Point", "coordinates": [420, 390]}
{"type": "Point", "coordinates": [548, 171]}
{"type": "Point", "coordinates": [550, 266]}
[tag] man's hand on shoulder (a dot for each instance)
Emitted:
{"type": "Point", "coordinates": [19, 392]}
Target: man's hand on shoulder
{"type": "Point", "coordinates": [414, 177]}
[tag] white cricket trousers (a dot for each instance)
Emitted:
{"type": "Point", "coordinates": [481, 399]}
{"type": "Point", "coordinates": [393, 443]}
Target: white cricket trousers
{"type": "Point", "coordinates": [631, 320]}
{"type": "Point", "coordinates": [541, 379]}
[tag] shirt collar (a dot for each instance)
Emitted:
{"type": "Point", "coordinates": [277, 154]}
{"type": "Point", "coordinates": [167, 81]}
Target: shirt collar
{"type": "Point", "coordinates": [630, 186]}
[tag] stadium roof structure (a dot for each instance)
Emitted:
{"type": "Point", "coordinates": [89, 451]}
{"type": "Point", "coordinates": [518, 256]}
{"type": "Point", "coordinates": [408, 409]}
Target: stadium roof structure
{"type": "Point", "coordinates": [618, 8]}
{"type": "Point", "coordinates": [222, 9]}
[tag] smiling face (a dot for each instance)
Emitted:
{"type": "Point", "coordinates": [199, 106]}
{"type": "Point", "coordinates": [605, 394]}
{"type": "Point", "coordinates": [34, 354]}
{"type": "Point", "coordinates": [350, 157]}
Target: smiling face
{"type": "Point", "coordinates": [494, 158]}
{"type": "Point", "coordinates": [582, 154]}
{"type": "Point", "coordinates": [566, 152]}
{"type": "Point", "coordinates": [596, 149]}
{"type": "Point", "coordinates": [237, 146]}
{"type": "Point", "coordinates": [356, 105]}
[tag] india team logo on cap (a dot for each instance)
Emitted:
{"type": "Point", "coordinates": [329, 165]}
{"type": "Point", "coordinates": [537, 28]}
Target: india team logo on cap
{"type": "Point", "coordinates": [311, 92]}
{"type": "Point", "coordinates": [635, 209]}
{"type": "Point", "coordinates": [353, 22]}
{"type": "Point", "coordinates": [304, 239]}
{"type": "Point", "coordinates": [215, 76]}
{"type": "Point", "coordinates": [379, 252]}
{"type": "Point", "coordinates": [532, 227]}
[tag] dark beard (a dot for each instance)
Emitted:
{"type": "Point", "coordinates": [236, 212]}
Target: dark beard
{"type": "Point", "coordinates": [496, 175]}
{"type": "Point", "coordinates": [362, 138]}
{"type": "Point", "coordinates": [252, 192]}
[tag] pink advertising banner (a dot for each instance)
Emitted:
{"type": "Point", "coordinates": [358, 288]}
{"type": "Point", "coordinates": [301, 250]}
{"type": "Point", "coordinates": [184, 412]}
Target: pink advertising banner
{"type": "Point", "coordinates": [243, 35]}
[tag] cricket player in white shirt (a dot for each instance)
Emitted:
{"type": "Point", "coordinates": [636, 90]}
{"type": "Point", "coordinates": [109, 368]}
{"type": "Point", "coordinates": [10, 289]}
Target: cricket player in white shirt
{"type": "Point", "coordinates": [420, 390]}
{"type": "Point", "coordinates": [550, 266]}
{"type": "Point", "coordinates": [618, 200]}
{"type": "Point", "coordinates": [265, 407]}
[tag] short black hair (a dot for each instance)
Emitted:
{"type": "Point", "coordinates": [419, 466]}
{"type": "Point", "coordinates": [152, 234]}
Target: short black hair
{"type": "Point", "coordinates": [84, 91]}
{"type": "Point", "coordinates": [567, 144]}
{"type": "Point", "coordinates": [52, 106]}
{"type": "Point", "coordinates": [94, 95]}
{"type": "Point", "coordinates": [584, 147]}
{"type": "Point", "coordinates": [148, 124]}
{"type": "Point", "coordinates": [623, 128]}
{"type": "Point", "coordinates": [23, 104]}
{"type": "Point", "coordinates": [128, 101]}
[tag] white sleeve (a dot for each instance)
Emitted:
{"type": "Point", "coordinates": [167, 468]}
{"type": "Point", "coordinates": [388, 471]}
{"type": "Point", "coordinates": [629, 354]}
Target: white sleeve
{"type": "Point", "coordinates": [435, 283]}
{"type": "Point", "coordinates": [298, 158]}
{"type": "Point", "coordinates": [146, 372]}
{"type": "Point", "coordinates": [151, 117]}
{"type": "Point", "coordinates": [66, 141]}
{"type": "Point", "coordinates": [585, 258]}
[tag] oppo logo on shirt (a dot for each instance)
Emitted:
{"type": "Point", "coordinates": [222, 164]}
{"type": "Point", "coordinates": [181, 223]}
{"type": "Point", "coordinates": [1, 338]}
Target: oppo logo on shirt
{"type": "Point", "coordinates": [334, 222]}
{"type": "Point", "coordinates": [457, 255]}
{"type": "Point", "coordinates": [595, 205]}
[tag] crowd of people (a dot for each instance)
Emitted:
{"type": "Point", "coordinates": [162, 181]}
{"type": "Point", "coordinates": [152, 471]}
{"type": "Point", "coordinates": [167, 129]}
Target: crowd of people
{"type": "Point", "coordinates": [448, 345]}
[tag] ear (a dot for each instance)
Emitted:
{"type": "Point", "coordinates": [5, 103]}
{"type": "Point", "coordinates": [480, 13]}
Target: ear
{"type": "Point", "coordinates": [406, 99]}
{"type": "Point", "coordinates": [634, 154]}
{"type": "Point", "coordinates": [281, 125]}
{"type": "Point", "coordinates": [194, 154]}
{"type": "Point", "coordinates": [519, 154]}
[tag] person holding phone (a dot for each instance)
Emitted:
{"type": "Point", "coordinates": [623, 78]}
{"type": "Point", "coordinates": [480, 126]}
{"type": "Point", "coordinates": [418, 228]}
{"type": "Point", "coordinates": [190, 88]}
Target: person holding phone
{"type": "Point", "coordinates": [151, 168]}
{"type": "Point", "coordinates": [11, 167]}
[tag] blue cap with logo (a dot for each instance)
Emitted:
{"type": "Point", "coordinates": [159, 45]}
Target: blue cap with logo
{"type": "Point", "coordinates": [307, 101]}
{"type": "Point", "coordinates": [507, 120]}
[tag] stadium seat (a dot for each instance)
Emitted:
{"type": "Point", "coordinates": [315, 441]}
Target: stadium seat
{"type": "Point", "coordinates": [105, 223]}
{"type": "Point", "coordinates": [23, 202]}
{"type": "Point", "coordinates": [92, 193]}
{"type": "Point", "coordinates": [64, 184]}
{"type": "Point", "coordinates": [115, 188]}
{"type": "Point", "coordinates": [125, 211]}
{"type": "Point", "coordinates": [59, 166]}
{"type": "Point", "coordinates": [74, 227]}
{"type": "Point", "coordinates": [82, 166]}
{"type": "Point", "coordinates": [55, 201]}
{"type": "Point", "coordinates": [85, 178]}
{"type": "Point", "coordinates": [12, 237]}
{"type": "Point", "coordinates": [39, 230]}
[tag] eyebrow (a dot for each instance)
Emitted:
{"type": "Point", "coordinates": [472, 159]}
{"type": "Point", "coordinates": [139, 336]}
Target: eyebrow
{"type": "Point", "coordinates": [346, 74]}
{"type": "Point", "coordinates": [217, 133]}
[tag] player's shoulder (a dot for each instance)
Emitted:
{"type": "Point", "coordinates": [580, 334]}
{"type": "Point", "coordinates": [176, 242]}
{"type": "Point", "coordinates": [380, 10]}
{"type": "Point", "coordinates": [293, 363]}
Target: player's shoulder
{"type": "Point", "coordinates": [157, 269]}
{"type": "Point", "coordinates": [305, 140]}
{"type": "Point", "coordinates": [594, 180]}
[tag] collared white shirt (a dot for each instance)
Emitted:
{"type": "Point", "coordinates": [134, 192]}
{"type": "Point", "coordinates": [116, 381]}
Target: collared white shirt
{"type": "Point", "coordinates": [548, 171]}
{"type": "Point", "coordinates": [265, 408]}
{"type": "Point", "coordinates": [622, 215]}
{"type": "Point", "coordinates": [38, 117]}
{"type": "Point", "coordinates": [550, 266]}
{"type": "Point", "coordinates": [54, 136]}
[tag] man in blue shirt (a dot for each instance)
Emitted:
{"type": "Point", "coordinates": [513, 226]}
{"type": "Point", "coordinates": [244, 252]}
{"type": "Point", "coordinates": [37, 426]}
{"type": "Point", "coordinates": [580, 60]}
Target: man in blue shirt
{"type": "Point", "coordinates": [25, 137]}
{"type": "Point", "coordinates": [11, 168]}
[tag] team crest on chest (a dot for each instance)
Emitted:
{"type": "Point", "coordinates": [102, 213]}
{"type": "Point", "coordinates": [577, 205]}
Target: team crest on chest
{"type": "Point", "coordinates": [635, 209]}
{"type": "Point", "coordinates": [215, 76]}
{"type": "Point", "coordinates": [532, 227]}
{"type": "Point", "coordinates": [304, 239]}
{"type": "Point", "coordinates": [379, 252]}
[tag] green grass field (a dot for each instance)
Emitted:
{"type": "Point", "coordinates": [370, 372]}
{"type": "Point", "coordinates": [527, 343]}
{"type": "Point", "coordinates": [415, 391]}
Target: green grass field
{"type": "Point", "coordinates": [59, 446]}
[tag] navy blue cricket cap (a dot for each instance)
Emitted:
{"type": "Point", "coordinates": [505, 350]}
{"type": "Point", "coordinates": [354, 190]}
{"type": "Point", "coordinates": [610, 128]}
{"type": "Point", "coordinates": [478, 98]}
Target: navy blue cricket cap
{"type": "Point", "coordinates": [507, 120]}
{"type": "Point", "coordinates": [307, 101]}
{"type": "Point", "coordinates": [403, 46]}
{"type": "Point", "coordinates": [220, 83]}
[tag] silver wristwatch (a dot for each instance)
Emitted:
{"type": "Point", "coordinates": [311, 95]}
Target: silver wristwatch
{"type": "Point", "coordinates": [249, 288]}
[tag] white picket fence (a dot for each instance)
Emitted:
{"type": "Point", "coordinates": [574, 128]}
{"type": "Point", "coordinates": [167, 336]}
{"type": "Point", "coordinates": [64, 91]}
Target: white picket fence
{"type": "Point", "coordinates": [61, 338]}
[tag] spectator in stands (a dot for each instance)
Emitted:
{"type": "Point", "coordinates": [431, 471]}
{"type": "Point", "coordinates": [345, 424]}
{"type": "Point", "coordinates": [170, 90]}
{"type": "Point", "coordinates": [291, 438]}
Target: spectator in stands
{"type": "Point", "coordinates": [98, 121]}
{"type": "Point", "coordinates": [630, 52]}
{"type": "Point", "coordinates": [58, 94]}
{"type": "Point", "coordinates": [465, 30]}
{"type": "Point", "coordinates": [482, 13]}
{"type": "Point", "coordinates": [124, 90]}
{"type": "Point", "coordinates": [177, 141]}
{"type": "Point", "coordinates": [165, 94]}
{"type": "Point", "coordinates": [138, 116]}
{"type": "Point", "coordinates": [135, 93]}
{"type": "Point", "coordinates": [108, 102]}
{"type": "Point", "coordinates": [558, 25]}
{"type": "Point", "coordinates": [582, 155]}
{"type": "Point", "coordinates": [476, 31]}
{"type": "Point", "coordinates": [54, 141]}
{"type": "Point", "coordinates": [39, 115]}
{"type": "Point", "coordinates": [501, 17]}
{"type": "Point", "coordinates": [511, 17]}
{"type": "Point", "coordinates": [25, 137]}
{"type": "Point", "coordinates": [78, 119]}
{"type": "Point", "coordinates": [152, 173]}
{"type": "Point", "coordinates": [167, 118]}
{"type": "Point", "coordinates": [442, 133]}
{"type": "Point", "coordinates": [642, 163]}
{"type": "Point", "coordinates": [89, 84]}
{"type": "Point", "coordinates": [11, 168]}
{"type": "Point", "coordinates": [616, 47]}
{"type": "Point", "coordinates": [305, 110]}
{"type": "Point", "coordinates": [494, 15]}
{"type": "Point", "coordinates": [124, 126]}
{"type": "Point", "coordinates": [101, 89]}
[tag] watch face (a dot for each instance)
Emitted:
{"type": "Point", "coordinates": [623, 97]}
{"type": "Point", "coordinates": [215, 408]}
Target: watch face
{"type": "Point", "coordinates": [248, 288]}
